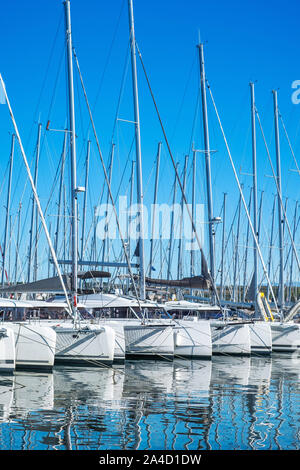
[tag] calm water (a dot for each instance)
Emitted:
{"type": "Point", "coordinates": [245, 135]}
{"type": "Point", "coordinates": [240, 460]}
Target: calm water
{"type": "Point", "coordinates": [226, 403]}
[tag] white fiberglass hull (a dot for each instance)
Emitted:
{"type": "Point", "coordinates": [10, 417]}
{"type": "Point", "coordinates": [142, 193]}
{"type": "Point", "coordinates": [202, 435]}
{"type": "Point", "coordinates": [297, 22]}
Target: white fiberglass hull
{"type": "Point", "coordinates": [34, 345]}
{"type": "Point", "coordinates": [285, 336]}
{"type": "Point", "coordinates": [91, 345]}
{"type": "Point", "coordinates": [192, 339]}
{"type": "Point", "coordinates": [119, 351]}
{"type": "Point", "coordinates": [153, 339]}
{"type": "Point", "coordinates": [261, 338]}
{"type": "Point", "coordinates": [232, 339]}
{"type": "Point", "coordinates": [7, 350]}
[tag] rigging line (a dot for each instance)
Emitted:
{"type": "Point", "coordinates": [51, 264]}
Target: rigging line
{"type": "Point", "coordinates": [48, 65]}
{"type": "Point", "coordinates": [44, 136]}
{"type": "Point", "coordinates": [37, 237]}
{"type": "Point", "coordinates": [42, 89]}
{"type": "Point", "coordinates": [178, 178]}
{"type": "Point", "coordinates": [109, 54]}
{"type": "Point", "coordinates": [85, 248]}
{"type": "Point", "coordinates": [228, 234]}
{"type": "Point", "coordinates": [278, 192]}
{"type": "Point", "coordinates": [243, 200]}
{"type": "Point", "coordinates": [35, 194]}
{"type": "Point", "coordinates": [83, 148]}
{"type": "Point", "coordinates": [289, 250]}
{"type": "Point", "coordinates": [119, 188]}
{"type": "Point", "coordinates": [125, 70]}
{"type": "Point", "coordinates": [22, 231]}
{"type": "Point", "coordinates": [107, 182]}
{"type": "Point", "coordinates": [4, 177]}
{"type": "Point", "coordinates": [194, 120]}
{"type": "Point", "coordinates": [289, 142]}
{"type": "Point", "coordinates": [183, 97]}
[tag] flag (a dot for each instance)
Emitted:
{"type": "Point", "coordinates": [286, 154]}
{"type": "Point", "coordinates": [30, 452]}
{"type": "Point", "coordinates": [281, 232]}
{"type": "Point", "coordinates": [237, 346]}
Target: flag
{"type": "Point", "coordinates": [2, 93]}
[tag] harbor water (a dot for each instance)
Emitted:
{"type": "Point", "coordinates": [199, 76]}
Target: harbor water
{"type": "Point", "coordinates": [227, 403]}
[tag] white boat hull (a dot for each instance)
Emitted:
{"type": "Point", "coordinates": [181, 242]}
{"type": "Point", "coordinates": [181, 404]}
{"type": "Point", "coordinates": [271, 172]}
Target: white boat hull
{"type": "Point", "coordinates": [230, 339]}
{"type": "Point", "coordinates": [285, 336]}
{"type": "Point", "coordinates": [91, 345]}
{"type": "Point", "coordinates": [261, 338]}
{"type": "Point", "coordinates": [192, 339]}
{"type": "Point", "coordinates": [119, 351]}
{"type": "Point", "coordinates": [34, 345]}
{"type": "Point", "coordinates": [149, 340]}
{"type": "Point", "coordinates": [7, 350]}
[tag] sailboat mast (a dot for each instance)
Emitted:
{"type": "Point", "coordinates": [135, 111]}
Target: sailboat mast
{"type": "Point", "coordinates": [8, 206]}
{"type": "Point", "coordinates": [129, 219]}
{"type": "Point", "coordinates": [138, 154]}
{"type": "Point", "coordinates": [292, 254]}
{"type": "Point", "coordinates": [254, 170]}
{"type": "Point", "coordinates": [223, 248]}
{"type": "Point", "coordinates": [33, 201]}
{"type": "Point", "coordinates": [18, 242]}
{"type": "Point", "coordinates": [154, 207]}
{"type": "Point", "coordinates": [280, 221]}
{"type": "Point", "coordinates": [87, 160]}
{"type": "Point", "coordinates": [180, 270]}
{"type": "Point", "coordinates": [271, 245]}
{"type": "Point", "coordinates": [172, 228]}
{"type": "Point", "coordinates": [106, 239]}
{"type": "Point", "coordinates": [74, 207]}
{"type": "Point", "coordinates": [192, 271]}
{"type": "Point", "coordinates": [207, 163]}
{"type": "Point", "coordinates": [63, 159]}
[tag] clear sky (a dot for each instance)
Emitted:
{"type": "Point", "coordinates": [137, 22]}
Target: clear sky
{"type": "Point", "coordinates": [244, 41]}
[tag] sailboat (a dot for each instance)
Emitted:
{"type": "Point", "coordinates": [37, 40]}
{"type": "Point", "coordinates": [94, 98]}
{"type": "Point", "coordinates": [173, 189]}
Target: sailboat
{"type": "Point", "coordinates": [228, 337]}
{"type": "Point", "coordinates": [285, 333]}
{"type": "Point", "coordinates": [72, 343]}
{"type": "Point", "coordinates": [7, 350]}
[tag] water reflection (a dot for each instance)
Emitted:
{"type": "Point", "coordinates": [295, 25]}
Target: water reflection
{"type": "Point", "coordinates": [225, 403]}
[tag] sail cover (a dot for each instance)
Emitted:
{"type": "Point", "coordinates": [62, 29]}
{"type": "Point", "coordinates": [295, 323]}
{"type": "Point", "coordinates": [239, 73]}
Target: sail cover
{"type": "Point", "coordinates": [53, 284]}
{"type": "Point", "coordinates": [196, 282]}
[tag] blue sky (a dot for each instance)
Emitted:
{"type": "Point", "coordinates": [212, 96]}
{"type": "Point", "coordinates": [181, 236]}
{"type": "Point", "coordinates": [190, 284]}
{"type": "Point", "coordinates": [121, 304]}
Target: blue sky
{"type": "Point", "coordinates": [244, 41]}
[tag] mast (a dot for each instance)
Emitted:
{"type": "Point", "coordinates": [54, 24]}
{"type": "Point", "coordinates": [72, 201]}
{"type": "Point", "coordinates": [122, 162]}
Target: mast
{"type": "Point", "coordinates": [107, 201]}
{"type": "Point", "coordinates": [65, 221]}
{"type": "Point", "coordinates": [39, 208]}
{"type": "Point", "coordinates": [172, 228]}
{"type": "Point", "coordinates": [223, 247]}
{"type": "Point", "coordinates": [271, 245]}
{"type": "Point", "coordinates": [154, 206]}
{"type": "Point", "coordinates": [85, 196]}
{"type": "Point", "coordinates": [18, 241]}
{"type": "Point", "coordinates": [138, 154]}
{"type": "Point", "coordinates": [35, 264]}
{"type": "Point", "coordinates": [235, 289]}
{"type": "Point", "coordinates": [292, 253]}
{"type": "Point", "coordinates": [279, 195]}
{"type": "Point", "coordinates": [74, 214]}
{"type": "Point", "coordinates": [254, 171]}
{"type": "Point", "coordinates": [207, 163]}
{"type": "Point", "coordinates": [180, 270]}
{"type": "Point", "coordinates": [193, 212]}
{"type": "Point", "coordinates": [11, 159]}
{"type": "Point", "coordinates": [61, 182]}
{"type": "Point", "coordinates": [94, 241]}
{"type": "Point", "coordinates": [246, 251]}
{"type": "Point", "coordinates": [33, 201]}
{"type": "Point", "coordinates": [129, 218]}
